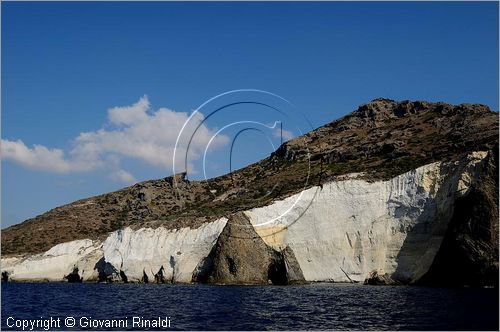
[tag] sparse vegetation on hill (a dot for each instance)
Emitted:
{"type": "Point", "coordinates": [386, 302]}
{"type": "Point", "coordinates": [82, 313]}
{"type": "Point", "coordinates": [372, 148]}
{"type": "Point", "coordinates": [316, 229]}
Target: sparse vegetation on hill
{"type": "Point", "coordinates": [380, 139]}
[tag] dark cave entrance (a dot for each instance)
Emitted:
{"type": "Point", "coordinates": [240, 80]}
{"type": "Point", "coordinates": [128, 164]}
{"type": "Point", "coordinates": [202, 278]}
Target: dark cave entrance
{"type": "Point", "coordinates": [276, 272]}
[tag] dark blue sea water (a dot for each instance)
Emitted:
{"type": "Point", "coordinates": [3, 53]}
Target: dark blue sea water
{"type": "Point", "coordinates": [205, 307]}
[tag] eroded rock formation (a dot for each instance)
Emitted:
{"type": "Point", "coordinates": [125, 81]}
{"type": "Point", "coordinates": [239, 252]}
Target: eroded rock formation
{"type": "Point", "coordinates": [392, 193]}
{"type": "Point", "coordinates": [341, 232]}
{"type": "Point", "coordinates": [242, 257]}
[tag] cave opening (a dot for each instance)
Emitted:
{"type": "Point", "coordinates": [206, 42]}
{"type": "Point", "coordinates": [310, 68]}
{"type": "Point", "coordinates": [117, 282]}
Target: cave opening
{"type": "Point", "coordinates": [145, 278]}
{"type": "Point", "coordinates": [124, 277]}
{"type": "Point", "coordinates": [74, 277]}
{"type": "Point", "coordinates": [232, 265]}
{"type": "Point", "coordinates": [276, 272]}
{"type": "Point", "coordinates": [160, 276]}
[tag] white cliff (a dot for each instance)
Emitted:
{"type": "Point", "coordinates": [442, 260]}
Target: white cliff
{"type": "Point", "coordinates": [147, 250]}
{"type": "Point", "coordinates": [135, 253]}
{"type": "Point", "coordinates": [353, 227]}
{"type": "Point", "coordinates": [340, 232]}
{"type": "Point", "coordinates": [56, 263]}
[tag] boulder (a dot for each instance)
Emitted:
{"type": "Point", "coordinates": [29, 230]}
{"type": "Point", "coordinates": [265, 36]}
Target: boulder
{"type": "Point", "coordinates": [377, 278]}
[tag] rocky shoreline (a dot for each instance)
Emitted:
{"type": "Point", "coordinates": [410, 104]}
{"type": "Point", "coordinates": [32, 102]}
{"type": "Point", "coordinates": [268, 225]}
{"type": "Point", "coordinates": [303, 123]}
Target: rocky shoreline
{"type": "Point", "coordinates": [393, 238]}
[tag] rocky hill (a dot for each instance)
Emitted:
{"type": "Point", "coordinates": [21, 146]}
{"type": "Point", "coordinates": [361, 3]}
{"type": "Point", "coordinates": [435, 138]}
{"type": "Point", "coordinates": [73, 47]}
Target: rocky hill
{"type": "Point", "coordinates": [379, 141]}
{"type": "Point", "coordinates": [382, 138]}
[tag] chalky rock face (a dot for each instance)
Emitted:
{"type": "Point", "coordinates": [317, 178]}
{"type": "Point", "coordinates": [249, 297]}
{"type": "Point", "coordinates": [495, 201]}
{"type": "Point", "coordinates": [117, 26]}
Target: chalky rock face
{"type": "Point", "coordinates": [160, 254]}
{"type": "Point", "coordinates": [126, 255]}
{"type": "Point", "coordinates": [56, 263]}
{"type": "Point", "coordinates": [350, 228]}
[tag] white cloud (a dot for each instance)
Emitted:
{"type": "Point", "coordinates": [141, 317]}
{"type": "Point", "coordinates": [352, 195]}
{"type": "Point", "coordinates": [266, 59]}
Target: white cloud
{"type": "Point", "coordinates": [129, 115]}
{"type": "Point", "coordinates": [287, 135]}
{"type": "Point", "coordinates": [39, 157]}
{"type": "Point", "coordinates": [123, 176]}
{"type": "Point", "coordinates": [133, 132]}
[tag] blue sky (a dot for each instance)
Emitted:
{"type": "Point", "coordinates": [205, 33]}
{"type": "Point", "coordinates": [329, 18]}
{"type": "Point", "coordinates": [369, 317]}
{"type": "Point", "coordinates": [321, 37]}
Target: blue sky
{"type": "Point", "coordinates": [128, 74]}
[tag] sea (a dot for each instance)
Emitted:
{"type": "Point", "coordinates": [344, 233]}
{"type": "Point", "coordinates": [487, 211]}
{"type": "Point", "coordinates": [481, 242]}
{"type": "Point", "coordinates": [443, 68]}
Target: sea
{"type": "Point", "coordinates": [66, 306]}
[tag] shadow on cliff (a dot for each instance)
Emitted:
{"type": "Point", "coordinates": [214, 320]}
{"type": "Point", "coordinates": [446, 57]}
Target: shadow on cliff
{"type": "Point", "coordinates": [468, 252]}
